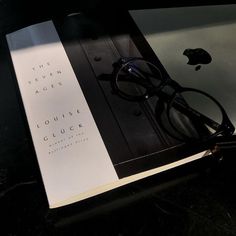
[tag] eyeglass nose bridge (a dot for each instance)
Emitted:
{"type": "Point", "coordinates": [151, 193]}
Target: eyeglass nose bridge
{"type": "Point", "coordinates": [165, 91]}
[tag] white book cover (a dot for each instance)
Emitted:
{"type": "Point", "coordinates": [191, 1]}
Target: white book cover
{"type": "Point", "coordinates": [70, 151]}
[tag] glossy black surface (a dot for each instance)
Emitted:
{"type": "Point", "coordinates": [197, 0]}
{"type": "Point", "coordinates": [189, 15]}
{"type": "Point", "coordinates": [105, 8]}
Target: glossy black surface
{"type": "Point", "coordinates": [197, 199]}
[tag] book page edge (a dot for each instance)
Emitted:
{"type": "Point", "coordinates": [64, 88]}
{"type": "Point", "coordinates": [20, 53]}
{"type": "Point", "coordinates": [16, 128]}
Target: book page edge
{"type": "Point", "coordinates": [129, 179]}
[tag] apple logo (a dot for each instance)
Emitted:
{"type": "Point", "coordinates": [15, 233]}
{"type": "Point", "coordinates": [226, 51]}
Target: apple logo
{"type": "Point", "coordinates": [197, 57]}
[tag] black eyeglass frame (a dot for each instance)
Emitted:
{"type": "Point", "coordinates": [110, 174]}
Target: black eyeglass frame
{"type": "Point", "coordinates": [226, 128]}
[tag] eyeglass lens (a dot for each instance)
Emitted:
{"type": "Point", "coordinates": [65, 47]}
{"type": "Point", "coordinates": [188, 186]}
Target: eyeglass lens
{"type": "Point", "coordinates": [136, 77]}
{"type": "Point", "coordinates": [190, 125]}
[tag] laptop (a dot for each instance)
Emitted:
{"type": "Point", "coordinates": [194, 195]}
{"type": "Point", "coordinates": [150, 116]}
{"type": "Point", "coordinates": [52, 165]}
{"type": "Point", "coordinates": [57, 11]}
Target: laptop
{"type": "Point", "coordinates": [197, 47]}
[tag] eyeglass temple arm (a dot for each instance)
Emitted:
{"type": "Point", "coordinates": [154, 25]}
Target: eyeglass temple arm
{"type": "Point", "coordinates": [224, 144]}
{"type": "Point", "coordinates": [187, 110]}
{"type": "Point", "coordinates": [227, 145]}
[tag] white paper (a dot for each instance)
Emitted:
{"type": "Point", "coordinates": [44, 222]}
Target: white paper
{"type": "Point", "coordinates": [70, 151]}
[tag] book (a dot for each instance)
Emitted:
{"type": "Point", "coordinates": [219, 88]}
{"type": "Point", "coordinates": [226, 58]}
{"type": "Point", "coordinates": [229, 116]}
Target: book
{"type": "Point", "coordinates": [86, 139]}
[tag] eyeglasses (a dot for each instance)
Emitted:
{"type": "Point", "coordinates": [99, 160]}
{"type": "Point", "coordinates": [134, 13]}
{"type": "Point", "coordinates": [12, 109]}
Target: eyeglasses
{"type": "Point", "coordinates": [184, 113]}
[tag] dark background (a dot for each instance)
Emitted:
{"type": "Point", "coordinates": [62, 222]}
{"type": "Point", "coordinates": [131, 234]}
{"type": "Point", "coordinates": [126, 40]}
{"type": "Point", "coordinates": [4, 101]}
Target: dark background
{"type": "Point", "coordinates": [28, 9]}
{"type": "Point", "coordinates": [197, 199]}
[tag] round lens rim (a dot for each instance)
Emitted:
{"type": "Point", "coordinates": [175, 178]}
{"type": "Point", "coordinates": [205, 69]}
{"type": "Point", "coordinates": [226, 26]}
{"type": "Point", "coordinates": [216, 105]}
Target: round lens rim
{"type": "Point", "coordinates": [224, 116]}
{"type": "Point", "coordinates": [121, 66]}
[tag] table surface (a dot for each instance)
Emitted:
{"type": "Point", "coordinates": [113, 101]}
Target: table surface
{"type": "Point", "coordinates": [198, 199]}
